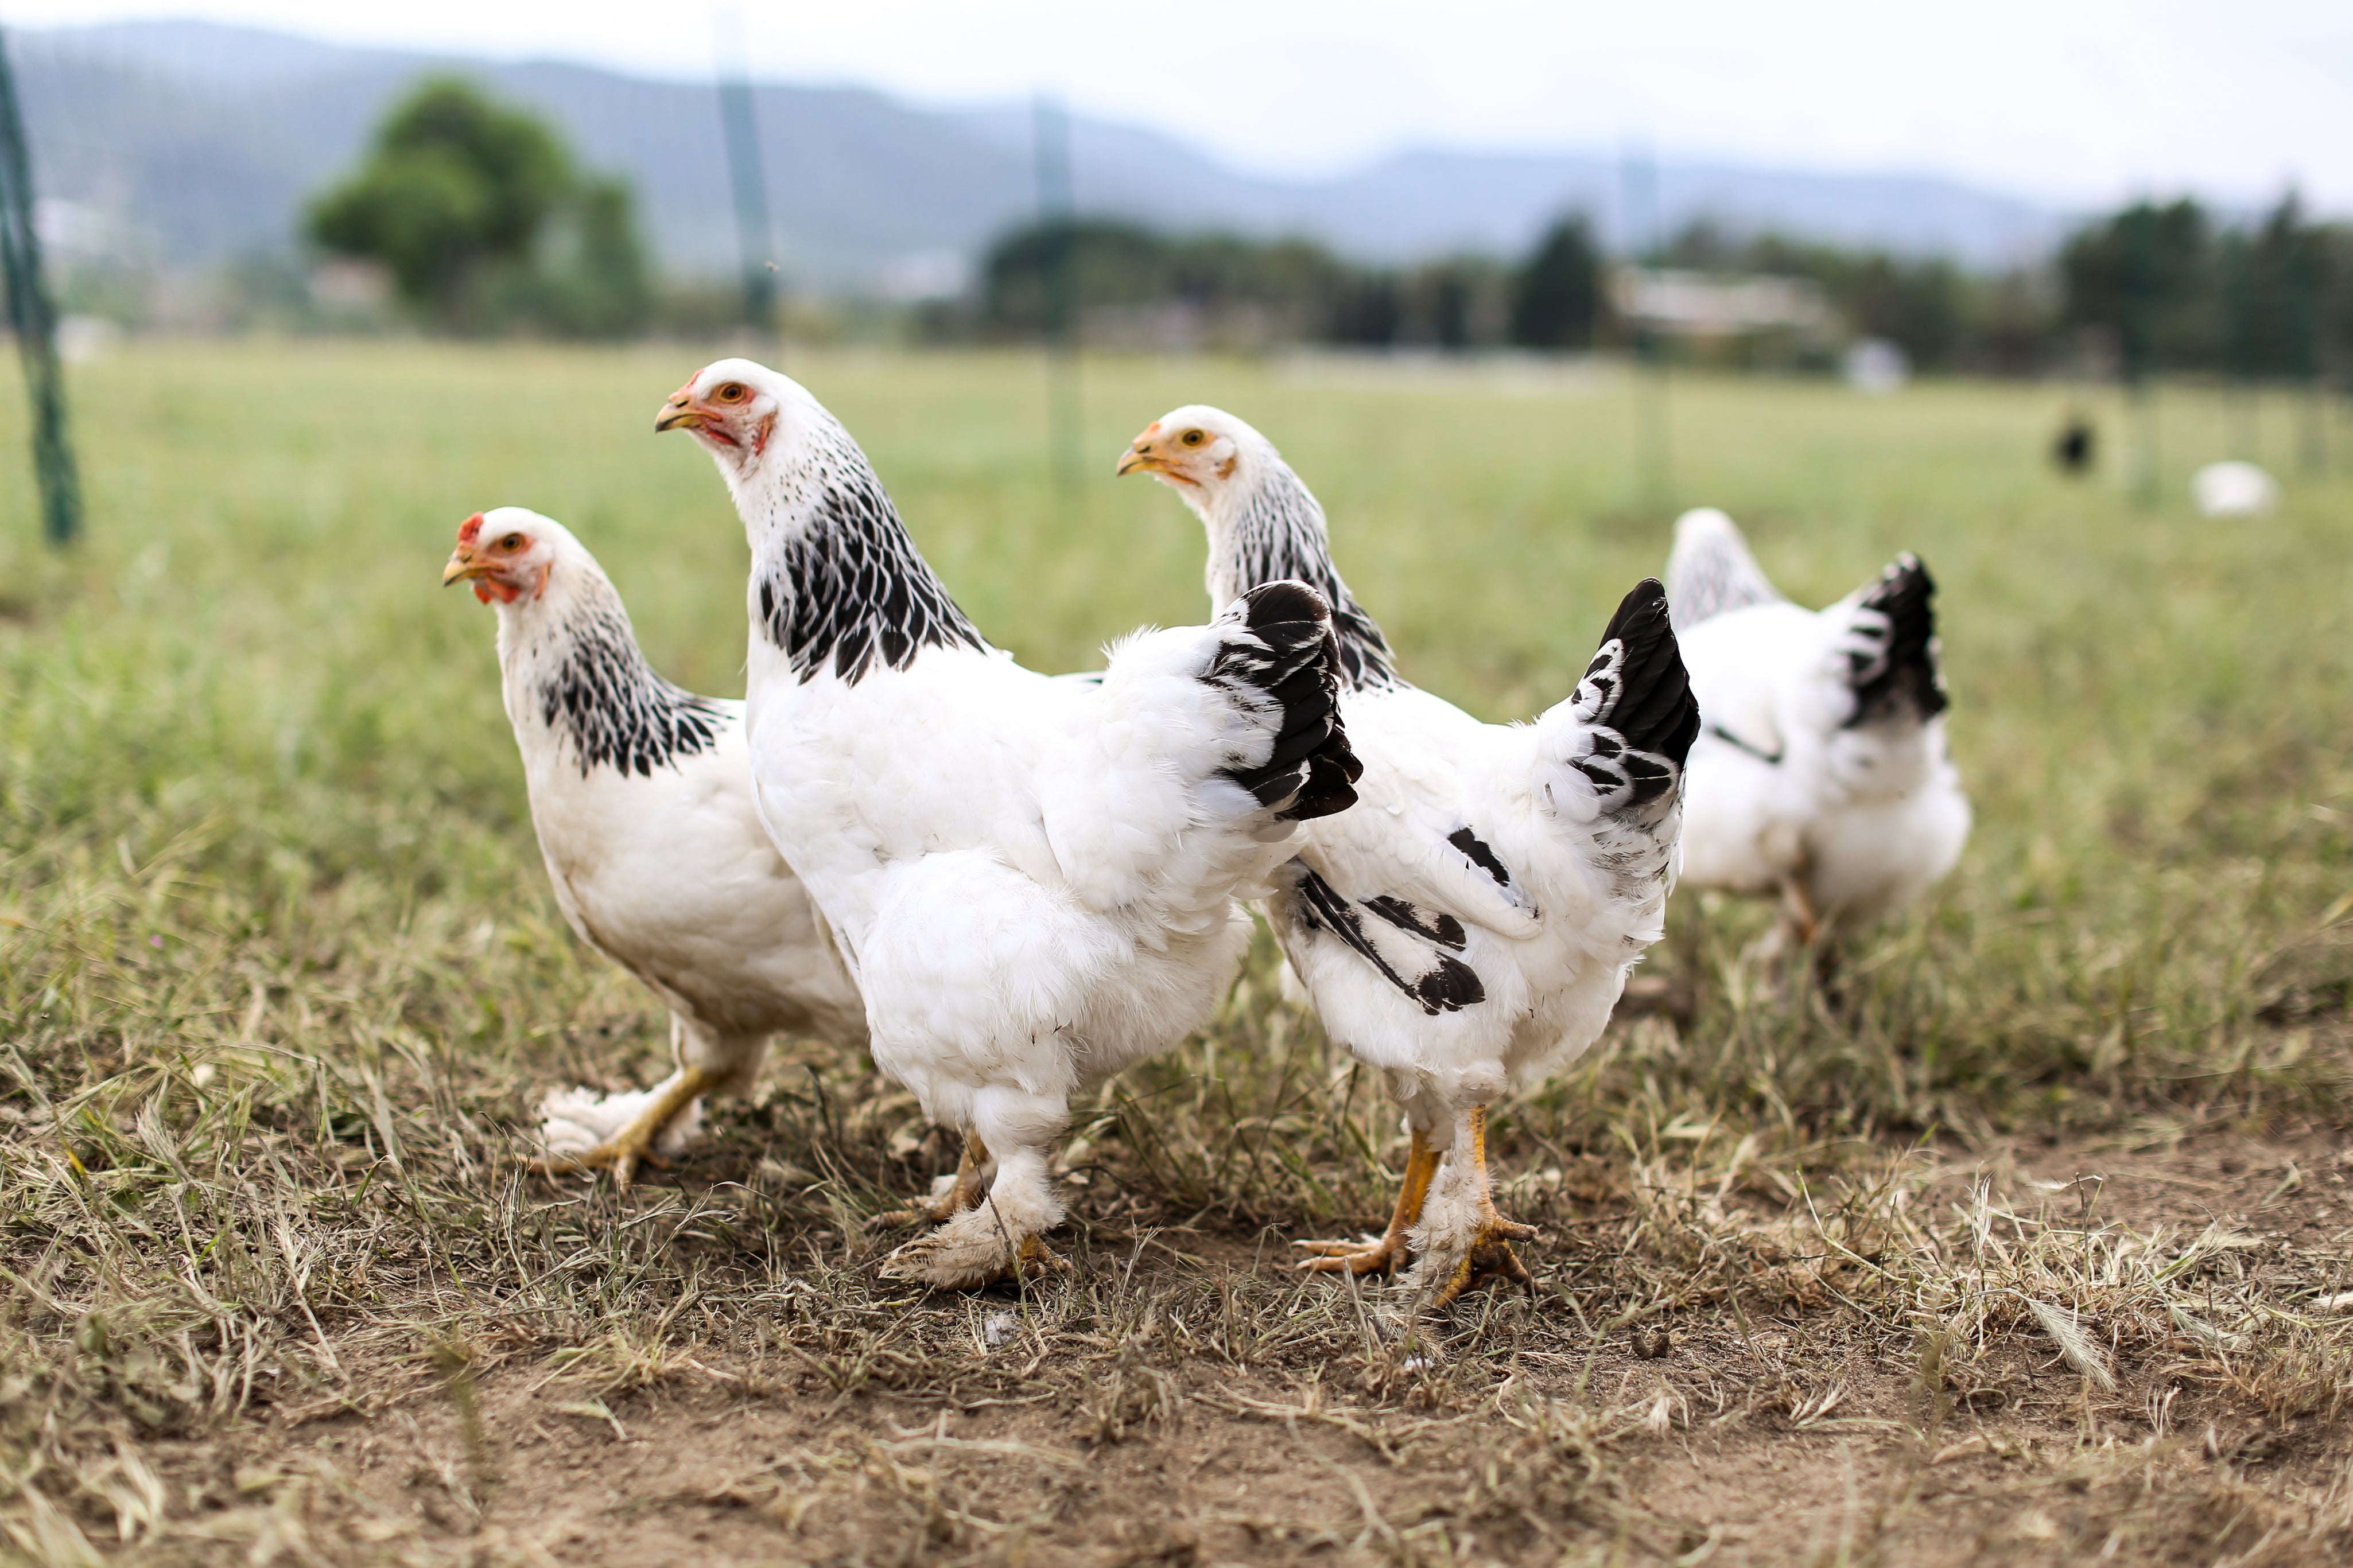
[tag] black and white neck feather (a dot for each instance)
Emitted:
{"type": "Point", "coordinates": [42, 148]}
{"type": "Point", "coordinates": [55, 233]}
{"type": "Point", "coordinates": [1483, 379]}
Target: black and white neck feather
{"type": "Point", "coordinates": [1273, 529]}
{"type": "Point", "coordinates": [574, 664]}
{"type": "Point", "coordinates": [836, 581]}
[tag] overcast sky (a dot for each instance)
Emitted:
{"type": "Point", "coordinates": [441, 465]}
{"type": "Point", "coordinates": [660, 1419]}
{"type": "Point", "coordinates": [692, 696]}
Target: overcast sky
{"type": "Point", "coordinates": [2069, 101]}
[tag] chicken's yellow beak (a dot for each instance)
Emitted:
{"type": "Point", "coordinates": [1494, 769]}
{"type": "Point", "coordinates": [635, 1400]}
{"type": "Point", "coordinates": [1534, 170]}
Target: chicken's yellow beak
{"type": "Point", "coordinates": [1142, 456]}
{"type": "Point", "coordinates": [678, 411]}
{"type": "Point", "coordinates": [463, 563]}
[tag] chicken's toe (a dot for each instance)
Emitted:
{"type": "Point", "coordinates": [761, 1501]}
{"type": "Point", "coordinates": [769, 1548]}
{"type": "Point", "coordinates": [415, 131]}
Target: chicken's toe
{"type": "Point", "coordinates": [1374, 1255]}
{"type": "Point", "coordinates": [937, 1207]}
{"type": "Point", "coordinates": [621, 1153]}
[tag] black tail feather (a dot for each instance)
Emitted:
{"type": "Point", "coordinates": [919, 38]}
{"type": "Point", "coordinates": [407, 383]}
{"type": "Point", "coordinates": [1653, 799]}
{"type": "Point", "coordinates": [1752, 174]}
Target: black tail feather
{"type": "Point", "coordinates": [1312, 767]}
{"type": "Point", "coordinates": [1902, 675]}
{"type": "Point", "coordinates": [1652, 710]}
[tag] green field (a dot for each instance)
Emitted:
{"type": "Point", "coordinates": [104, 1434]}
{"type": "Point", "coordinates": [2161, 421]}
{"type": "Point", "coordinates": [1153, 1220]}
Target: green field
{"type": "Point", "coordinates": [280, 976]}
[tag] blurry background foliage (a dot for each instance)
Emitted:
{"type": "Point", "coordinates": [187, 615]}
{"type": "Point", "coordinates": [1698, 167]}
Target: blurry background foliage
{"type": "Point", "coordinates": [2149, 288]}
{"type": "Point", "coordinates": [476, 212]}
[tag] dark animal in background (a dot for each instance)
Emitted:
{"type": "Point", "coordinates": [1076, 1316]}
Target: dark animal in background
{"type": "Point", "coordinates": [2076, 446]}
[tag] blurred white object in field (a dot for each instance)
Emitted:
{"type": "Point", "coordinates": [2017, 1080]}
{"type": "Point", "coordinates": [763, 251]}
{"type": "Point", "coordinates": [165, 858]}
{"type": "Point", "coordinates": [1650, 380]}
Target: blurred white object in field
{"type": "Point", "coordinates": [2234, 489]}
{"type": "Point", "coordinates": [1683, 303]}
{"type": "Point", "coordinates": [348, 285]}
{"type": "Point", "coordinates": [82, 339]}
{"type": "Point", "coordinates": [1876, 367]}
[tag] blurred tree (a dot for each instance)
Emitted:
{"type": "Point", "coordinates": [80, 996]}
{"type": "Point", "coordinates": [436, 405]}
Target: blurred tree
{"type": "Point", "coordinates": [1557, 293]}
{"type": "Point", "coordinates": [2271, 284]}
{"type": "Point", "coordinates": [451, 182]}
{"type": "Point", "coordinates": [457, 198]}
{"type": "Point", "coordinates": [2159, 281]}
{"type": "Point", "coordinates": [590, 279]}
{"type": "Point", "coordinates": [1365, 312]}
{"type": "Point", "coordinates": [1443, 301]}
{"type": "Point", "coordinates": [1119, 265]}
{"type": "Point", "coordinates": [2147, 276]}
{"type": "Point", "coordinates": [2007, 323]}
{"type": "Point", "coordinates": [2335, 323]}
{"type": "Point", "coordinates": [1915, 304]}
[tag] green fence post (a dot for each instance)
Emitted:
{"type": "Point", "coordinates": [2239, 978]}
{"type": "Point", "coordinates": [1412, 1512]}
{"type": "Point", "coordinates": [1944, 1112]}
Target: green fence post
{"type": "Point", "coordinates": [34, 320]}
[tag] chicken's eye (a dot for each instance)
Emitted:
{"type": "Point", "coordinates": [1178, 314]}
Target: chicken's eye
{"type": "Point", "coordinates": [512, 541]}
{"type": "Point", "coordinates": [732, 391]}
{"type": "Point", "coordinates": [1192, 438]}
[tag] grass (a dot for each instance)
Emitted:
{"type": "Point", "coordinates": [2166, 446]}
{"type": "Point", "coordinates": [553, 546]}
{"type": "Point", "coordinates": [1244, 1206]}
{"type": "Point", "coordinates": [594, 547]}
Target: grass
{"type": "Point", "coordinates": [2020, 1246]}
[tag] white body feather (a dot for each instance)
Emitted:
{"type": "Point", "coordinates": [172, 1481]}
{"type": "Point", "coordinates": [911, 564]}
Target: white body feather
{"type": "Point", "coordinates": [1552, 952]}
{"type": "Point", "coordinates": [1033, 878]}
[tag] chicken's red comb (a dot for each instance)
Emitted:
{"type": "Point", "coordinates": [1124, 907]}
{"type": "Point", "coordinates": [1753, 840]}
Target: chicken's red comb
{"type": "Point", "coordinates": [471, 530]}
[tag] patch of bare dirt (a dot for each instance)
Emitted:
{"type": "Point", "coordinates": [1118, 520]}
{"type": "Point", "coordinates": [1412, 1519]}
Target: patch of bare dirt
{"type": "Point", "coordinates": [1732, 1430]}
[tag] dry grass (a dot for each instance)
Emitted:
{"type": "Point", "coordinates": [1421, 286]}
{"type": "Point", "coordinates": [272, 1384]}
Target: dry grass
{"type": "Point", "coordinates": [2023, 1242]}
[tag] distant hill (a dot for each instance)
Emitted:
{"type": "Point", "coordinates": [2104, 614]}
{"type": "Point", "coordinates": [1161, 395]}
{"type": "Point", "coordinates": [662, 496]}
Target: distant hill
{"type": "Point", "coordinates": [188, 143]}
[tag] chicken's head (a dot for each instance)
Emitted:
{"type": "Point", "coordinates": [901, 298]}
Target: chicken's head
{"type": "Point", "coordinates": [506, 553]}
{"type": "Point", "coordinates": [1197, 451]}
{"type": "Point", "coordinates": [731, 407]}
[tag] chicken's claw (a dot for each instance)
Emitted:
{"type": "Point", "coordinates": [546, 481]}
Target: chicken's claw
{"type": "Point", "coordinates": [1393, 1248]}
{"type": "Point", "coordinates": [1036, 1257]}
{"type": "Point", "coordinates": [1489, 1256]}
{"type": "Point", "coordinates": [1374, 1255]}
{"type": "Point", "coordinates": [950, 1197]}
{"type": "Point", "coordinates": [622, 1154]}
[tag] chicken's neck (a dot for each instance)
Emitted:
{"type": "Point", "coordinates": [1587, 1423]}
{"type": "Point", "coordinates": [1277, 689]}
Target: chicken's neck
{"type": "Point", "coordinates": [573, 661]}
{"type": "Point", "coordinates": [1276, 531]}
{"type": "Point", "coordinates": [836, 578]}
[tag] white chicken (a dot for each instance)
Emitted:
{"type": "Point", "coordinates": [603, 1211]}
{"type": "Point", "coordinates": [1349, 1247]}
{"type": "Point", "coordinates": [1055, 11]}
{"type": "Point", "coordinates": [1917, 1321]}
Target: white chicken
{"type": "Point", "coordinates": [642, 802]}
{"type": "Point", "coordinates": [1473, 920]}
{"type": "Point", "coordinates": [1033, 879]}
{"type": "Point", "coordinates": [1821, 774]}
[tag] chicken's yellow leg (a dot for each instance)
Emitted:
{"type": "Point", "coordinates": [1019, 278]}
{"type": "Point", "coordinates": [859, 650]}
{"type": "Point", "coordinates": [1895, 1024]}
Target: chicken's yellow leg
{"type": "Point", "coordinates": [964, 1193]}
{"type": "Point", "coordinates": [1797, 905]}
{"type": "Point", "coordinates": [1389, 1254]}
{"type": "Point", "coordinates": [1491, 1256]}
{"type": "Point", "coordinates": [634, 1144]}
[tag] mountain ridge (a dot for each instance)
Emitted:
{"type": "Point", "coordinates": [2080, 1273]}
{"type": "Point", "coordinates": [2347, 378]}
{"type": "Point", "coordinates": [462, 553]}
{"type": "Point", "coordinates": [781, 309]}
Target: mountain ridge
{"type": "Point", "coordinates": [195, 142]}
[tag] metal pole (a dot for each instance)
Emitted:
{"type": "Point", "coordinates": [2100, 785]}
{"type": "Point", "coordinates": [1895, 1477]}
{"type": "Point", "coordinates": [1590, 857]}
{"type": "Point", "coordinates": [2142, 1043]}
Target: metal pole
{"type": "Point", "coordinates": [2303, 335]}
{"type": "Point", "coordinates": [2138, 347]}
{"type": "Point", "coordinates": [749, 180]}
{"type": "Point", "coordinates": [1056, 223]}
{"type": "Point", "coordinates": [34, 316]}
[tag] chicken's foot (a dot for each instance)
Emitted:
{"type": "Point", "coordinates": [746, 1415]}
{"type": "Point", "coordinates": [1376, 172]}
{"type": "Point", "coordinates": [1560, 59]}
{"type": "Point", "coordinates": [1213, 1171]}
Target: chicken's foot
{"type": "Point", "coordinates": [1489, 1255]}
{"type": "Point", "coordinates": [973, 1248]}
{"type": "Point", "coordinates": [633, 1145]}
{"type": "Point", "coordinates": [964, 1191]}
{"type": "Point", "coordinates": [1389, 1251]}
